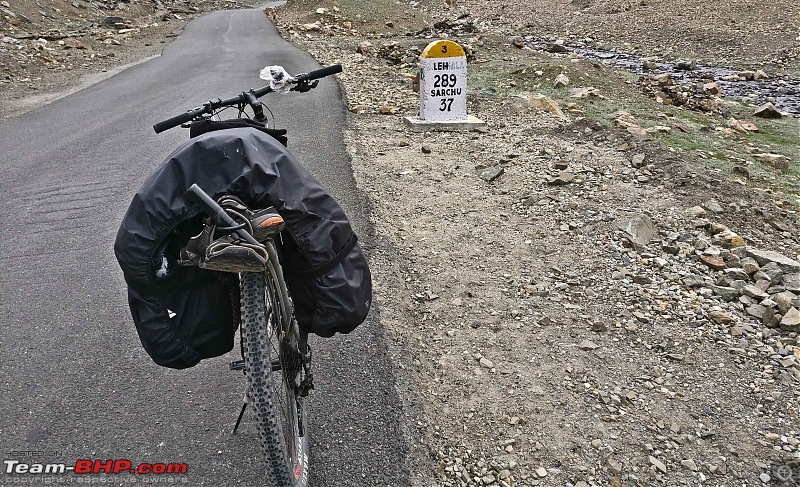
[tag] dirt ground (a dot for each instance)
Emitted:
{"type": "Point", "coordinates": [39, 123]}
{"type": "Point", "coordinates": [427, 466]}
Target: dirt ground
{"type": "Point", "coordinates": [544, 349]}
{"type": "Point", "coordinates": [566, 293]}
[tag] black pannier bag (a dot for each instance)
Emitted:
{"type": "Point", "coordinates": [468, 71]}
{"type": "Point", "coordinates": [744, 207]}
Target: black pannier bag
{"type": "Point", "coordinates": [185, 314]}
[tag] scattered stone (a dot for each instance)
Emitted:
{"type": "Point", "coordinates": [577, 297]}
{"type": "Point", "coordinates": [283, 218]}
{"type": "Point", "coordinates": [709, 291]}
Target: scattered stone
{"type": "Point", "coordinates": [713, 206]}
{"type": "Point", "coordinates": [364, 47]}
{"type": "Point", "coordinates": [649, 65]}
{"type": "Point", "coordinates": [562, 179]}
{"type": "Point", "coordinates": [785, 301]}
{"type": "Point", "coordinates": [116, 22]}
{"type": "Point", "coordinates": [639, 230]}
{"type": "Point", "coordinates": [742, 126]}
{"type": "Point", "coordinates": [545, 103]}
{"type": "Point", "coordinates": [689, 464]}
{"type": "Point", "coordinates": [764, 257]}
{"type": "Point", "coordinates": [750, 266]}
{"type": "Point", "coordinates": [683, 65]}
{"type": "Point", "coordinates": [426, 149]}
{"type": "Point", "coordinates": [713, 261]}
{"type": "Point", "coordinates": [649, 130]}
{"type": "Point", "coordinates": [637, 161]}
{"type": "Point", "coordinates": [754, 292]}
{"type": "Point", "coordinates": [663, 79]}
{"type": "Point", "coordinates": [311, 27]}
{"type": "Point", "coordinates": [728, 239]}
{"type": "Point", "coordinates": [725, 292]}
{"type": "Point", "coordinates": [518, 42]}
{"type": "Point", "coordinates": [712, 89]}
{"type": "Point", "coordinates": [587, 92]}
{"type": "Point", "coordinates": [625, 119]}
{"type": "Point", "coordinates": [588, 345]}
{"type": "Point", "coordinates": [697, 211]}
{"type": "Point", "coordinates": [792, 282]}
{"type": "Point", "coordinates": [73, 43]}
{"type": "Point", "coordinates": [670, 249]}
{"type": "Point", "coordinates": [777, 161]}
{"type": "Point", "coordinates": [736, 274]}
{"type": "Point", "coordinates": [721, 317]}
{"type": "Point", "coordinates": [767, 110]}
{"type": "Point", "coordinates": [657, 463]}
{"type": "Point", "coordinates": [779, 225]}
{"type": "Point", "coordinates": [741, 170]}
{"type": "Point", "coordinates": [791, 320]}
{"type": "Point", "coordinates": [746, 75]}
{"type": "Point", "coordinates": [555, 48]}
{"type": "Point", "coordinates": [760, 75]}
{"type": "Point", "coordinates": [560, 165]}
{"type": "Point", "coordinates": [541, 472]}
{"type": "Point", "coordinates": [561, 81]}
{"type": "Point", "coordinates": [492, 174]}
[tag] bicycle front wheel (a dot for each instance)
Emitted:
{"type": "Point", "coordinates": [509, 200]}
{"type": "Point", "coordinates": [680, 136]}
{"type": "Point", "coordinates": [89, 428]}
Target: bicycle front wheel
{"type": "Point", "coordinates": [273, 368]}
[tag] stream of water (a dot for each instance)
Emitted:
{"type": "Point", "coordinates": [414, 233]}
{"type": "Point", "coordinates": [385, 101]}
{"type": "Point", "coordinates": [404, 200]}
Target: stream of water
{"type": "Point", "coordinates": [782, 91]}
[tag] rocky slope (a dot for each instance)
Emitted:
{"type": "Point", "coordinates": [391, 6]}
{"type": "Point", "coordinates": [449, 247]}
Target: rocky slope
{"type": "Point", "coordinates": [582, 305]}
{"type": "Point", "coordinates": [46, 47]}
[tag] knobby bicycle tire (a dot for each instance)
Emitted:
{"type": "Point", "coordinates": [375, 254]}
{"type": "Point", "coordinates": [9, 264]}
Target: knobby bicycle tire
{"type": "Point", "coordinates": [269, 339]}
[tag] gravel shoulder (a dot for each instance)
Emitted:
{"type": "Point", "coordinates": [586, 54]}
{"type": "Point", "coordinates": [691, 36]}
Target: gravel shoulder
{"type": "Point", "coordinates": [548, 344]}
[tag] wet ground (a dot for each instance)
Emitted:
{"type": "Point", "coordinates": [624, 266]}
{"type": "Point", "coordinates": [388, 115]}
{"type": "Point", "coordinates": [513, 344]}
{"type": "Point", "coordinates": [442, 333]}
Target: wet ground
{"type": "Point", "coordinates": [782, 91]}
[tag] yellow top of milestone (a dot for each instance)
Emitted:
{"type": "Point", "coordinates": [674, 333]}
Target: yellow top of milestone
{"type": "Point", "coordinates": [441, 49]}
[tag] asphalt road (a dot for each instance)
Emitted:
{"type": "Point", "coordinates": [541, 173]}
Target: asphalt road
{"type": "Point", "coordinates": [75, 382]}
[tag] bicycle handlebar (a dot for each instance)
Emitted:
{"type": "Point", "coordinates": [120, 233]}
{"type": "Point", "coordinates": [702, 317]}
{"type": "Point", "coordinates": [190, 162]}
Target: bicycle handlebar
{"type": "Point", "coordinates": [177, 120]}
{"type": "Point", "coordinates": [320, 73]}
{"type": "Point", "coordinates": [244, 98]}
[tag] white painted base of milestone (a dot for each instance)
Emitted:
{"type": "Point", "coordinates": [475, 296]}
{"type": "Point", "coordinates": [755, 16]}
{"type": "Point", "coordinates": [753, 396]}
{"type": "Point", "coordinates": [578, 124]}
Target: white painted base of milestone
{"type": "Point", "coordinates": [471, 123]}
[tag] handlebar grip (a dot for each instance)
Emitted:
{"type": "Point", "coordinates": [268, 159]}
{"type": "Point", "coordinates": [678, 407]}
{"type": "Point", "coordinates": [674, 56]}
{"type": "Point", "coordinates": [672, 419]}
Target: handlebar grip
{"type": "Point", "coordinates": [176, 120]}
{"type": "Point", "coordinates": [321, 73]}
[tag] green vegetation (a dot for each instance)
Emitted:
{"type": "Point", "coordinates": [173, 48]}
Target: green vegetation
{"type": "Point", "coordinates": [704, 137]}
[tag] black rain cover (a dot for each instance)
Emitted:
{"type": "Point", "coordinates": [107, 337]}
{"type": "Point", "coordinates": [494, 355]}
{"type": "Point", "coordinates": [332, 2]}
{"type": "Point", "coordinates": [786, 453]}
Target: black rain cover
{"type": "Point", "coordinates": [324, 267]}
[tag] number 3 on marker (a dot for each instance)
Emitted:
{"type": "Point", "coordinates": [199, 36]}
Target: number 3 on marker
{"type": "Point", "coordinates": [444, 49]}
{"type": "Point", "coordinates": [446, 104]}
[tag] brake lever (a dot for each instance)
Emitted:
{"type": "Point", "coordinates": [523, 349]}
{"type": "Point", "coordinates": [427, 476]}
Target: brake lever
{"type": "Point", "coordinates": [305, 86]}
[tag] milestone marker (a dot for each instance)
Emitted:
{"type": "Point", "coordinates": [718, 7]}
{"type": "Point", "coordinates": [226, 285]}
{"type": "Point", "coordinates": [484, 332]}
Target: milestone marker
{"type": "Point", "coordinates": [443, 82]}
{"type": "Point", "coordinates": [443, 89]}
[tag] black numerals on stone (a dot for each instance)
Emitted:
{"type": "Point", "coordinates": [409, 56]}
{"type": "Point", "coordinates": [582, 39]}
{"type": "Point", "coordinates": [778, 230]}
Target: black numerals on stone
{"type": "Point", "coordinates": [446, 104]}
{"type": "Point", "coordinates": [444, 80]}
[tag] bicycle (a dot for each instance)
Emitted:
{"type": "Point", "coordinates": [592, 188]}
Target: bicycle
{"type": "Point", "coordinates": [276, 358]}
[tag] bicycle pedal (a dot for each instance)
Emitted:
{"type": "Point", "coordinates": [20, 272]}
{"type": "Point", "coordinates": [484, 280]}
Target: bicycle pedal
{"type": "Point", "coordinates": [237, 365]}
